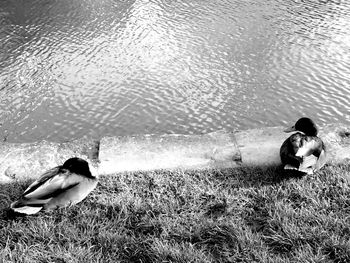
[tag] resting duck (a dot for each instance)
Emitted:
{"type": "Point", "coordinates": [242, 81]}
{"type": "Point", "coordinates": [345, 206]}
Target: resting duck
{"type": "Point", "coordinates": [61, 186]}
{"type": "Point", "coordinates": [303, 150]}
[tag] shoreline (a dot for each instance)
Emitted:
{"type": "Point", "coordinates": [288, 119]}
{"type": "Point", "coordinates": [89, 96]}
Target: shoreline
{"type": "Point", "coordinates": [110, 155]}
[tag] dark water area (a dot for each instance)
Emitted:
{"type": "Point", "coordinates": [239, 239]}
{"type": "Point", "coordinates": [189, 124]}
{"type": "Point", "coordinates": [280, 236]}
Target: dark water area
{"type": "Point", "coordinates": [70, 69]}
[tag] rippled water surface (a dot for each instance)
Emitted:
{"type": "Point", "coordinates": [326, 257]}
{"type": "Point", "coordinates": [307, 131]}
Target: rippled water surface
{"type": "Point", "coordinates": [78, 68]}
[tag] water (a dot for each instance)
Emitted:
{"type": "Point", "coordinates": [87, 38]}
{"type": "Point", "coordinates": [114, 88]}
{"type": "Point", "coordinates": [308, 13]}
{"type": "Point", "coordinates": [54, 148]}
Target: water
{"type": "Point", "coordinates": [70, 69]}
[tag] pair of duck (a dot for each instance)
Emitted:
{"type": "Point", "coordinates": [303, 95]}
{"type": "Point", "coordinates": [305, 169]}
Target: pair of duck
{"type": "Point", "coordinates": [71, 182]}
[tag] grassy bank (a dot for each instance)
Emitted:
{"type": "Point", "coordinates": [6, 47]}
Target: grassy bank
{"type": "Point", "coordinates": [241, 215]}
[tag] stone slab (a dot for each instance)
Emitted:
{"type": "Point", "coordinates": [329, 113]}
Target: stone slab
{"type": "Point", "coordinates": [337, 141]}
{"type": "Point", "coordinates": [150, 152]}
{"type": "Point", "coordinates": [261, 146]}
{"type": "Point", "coordinates": [19, 161]}
{"type": "Point", "coordinates": [220, 149]}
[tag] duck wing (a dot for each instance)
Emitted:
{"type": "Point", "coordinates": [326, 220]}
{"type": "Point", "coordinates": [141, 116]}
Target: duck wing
{"type": "Point", "coordinates": [313, 162]}
{"type": "Point", "coordinates": [287, 154]}
{"type": "Point", "coordinates": [40, 181]}
{"type": "Point", "coordinates": [308, 162]}
{"type": "Point", "coordinates": [310, 146]}
{"type": "Point", "coordinates": [51, 184]}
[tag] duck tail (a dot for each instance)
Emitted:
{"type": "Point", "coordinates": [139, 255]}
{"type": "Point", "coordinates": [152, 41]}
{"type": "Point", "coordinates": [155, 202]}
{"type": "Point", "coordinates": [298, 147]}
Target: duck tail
{"type": "Point", "coordinates": [26, 207]}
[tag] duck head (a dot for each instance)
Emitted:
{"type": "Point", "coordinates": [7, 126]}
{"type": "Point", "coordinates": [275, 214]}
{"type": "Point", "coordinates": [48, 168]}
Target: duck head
{"type": "Point", "coordinates": [304, 125]}
{"type": "Point", "coordinates": [78, 166]}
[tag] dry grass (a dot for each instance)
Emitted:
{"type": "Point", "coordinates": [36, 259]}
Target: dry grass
{"type": "Point", "coordinates": [239, 215]}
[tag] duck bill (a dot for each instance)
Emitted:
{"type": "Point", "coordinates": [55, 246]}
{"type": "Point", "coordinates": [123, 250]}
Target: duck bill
{"type": "Point", "coordinates": [290, 129]}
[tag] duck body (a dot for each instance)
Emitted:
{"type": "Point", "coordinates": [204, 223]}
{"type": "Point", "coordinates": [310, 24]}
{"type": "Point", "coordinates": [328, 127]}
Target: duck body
{"type": "Point", "coordinates": [288, 150]}
{"type": "Point", "coordinates": [59, 187]}
{"type": "Point", "coordinates": [303, 150]}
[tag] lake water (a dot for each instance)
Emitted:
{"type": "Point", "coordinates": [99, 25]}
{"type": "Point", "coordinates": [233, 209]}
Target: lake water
{"type": "Point", "coordinates": [70, 69]}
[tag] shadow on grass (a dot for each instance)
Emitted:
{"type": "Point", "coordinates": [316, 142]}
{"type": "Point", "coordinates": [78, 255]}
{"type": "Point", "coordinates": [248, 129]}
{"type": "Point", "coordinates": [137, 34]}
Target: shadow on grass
{"type": "Point", "coordinates": [222, 242]}
{"type": "Point", "coordinates": [288, 230]}
{"type": "Point", "coordinates": [9, 193]}
{"type": "Point", "coordinates": [241, 177]}
{"type": "Point", "coordinates": [256, 176]}
{"type": "Point", "coordinates": [337, 253]}
{"type": "Point", "coordinates": [157, 217]}
{"type": "Point", "coordinates": [117, 231]}
{"type": "Point", "coordinates": [260, 219]}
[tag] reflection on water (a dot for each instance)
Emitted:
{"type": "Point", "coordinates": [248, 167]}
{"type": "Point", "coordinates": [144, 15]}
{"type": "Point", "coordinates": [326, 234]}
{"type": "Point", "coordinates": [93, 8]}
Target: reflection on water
{"type": "Point", "coordinates": [70, 69]}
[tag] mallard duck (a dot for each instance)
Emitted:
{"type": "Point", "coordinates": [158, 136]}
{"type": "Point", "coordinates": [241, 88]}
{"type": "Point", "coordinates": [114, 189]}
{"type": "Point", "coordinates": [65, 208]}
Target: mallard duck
{"type": "Point", "coordinates": [303, 150]}
{"type": "Point", "coordinates": [61, 186]}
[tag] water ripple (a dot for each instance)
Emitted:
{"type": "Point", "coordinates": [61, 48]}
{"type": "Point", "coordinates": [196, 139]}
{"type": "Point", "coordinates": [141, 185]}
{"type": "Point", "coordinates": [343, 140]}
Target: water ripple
{"type": "Point", "coordinates": [92, 68]}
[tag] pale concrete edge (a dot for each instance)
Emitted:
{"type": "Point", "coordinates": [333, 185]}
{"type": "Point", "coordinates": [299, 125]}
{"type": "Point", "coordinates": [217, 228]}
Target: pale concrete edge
{"type": "Point", "coordinates": [336, 137]}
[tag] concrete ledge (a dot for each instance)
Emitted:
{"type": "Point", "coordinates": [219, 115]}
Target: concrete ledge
{"type": "Point", "coordinates": [337, 140]}
{"type": "Point", "coordinates": [150, 152]}
{"type": "Point", "coordinates": [261, 146]}
{"type": "Point", "coordinates": [29, 160]}
{"type": "Point", "coordinates": [220, 149]}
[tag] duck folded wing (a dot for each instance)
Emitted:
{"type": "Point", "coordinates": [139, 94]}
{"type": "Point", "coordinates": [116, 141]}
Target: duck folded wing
{"type": "Point", "coordinates": [313, 162]}
{"type": "Point", "coordinates": [310, 145]}
{"type": "Point", "coordinates": [51, 184]}
{"type": "Point", "coordinates": [308, 162]}
{"type": "Point", "coordinates": [287, 155]}
{"type": "Point", "coordinates": [40, 181]}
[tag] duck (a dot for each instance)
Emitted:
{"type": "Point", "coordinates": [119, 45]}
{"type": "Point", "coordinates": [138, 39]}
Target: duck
{"type": "Point", "coordinates": [303, 150]}
{"type": "Point", "coordinates": [61, 186]}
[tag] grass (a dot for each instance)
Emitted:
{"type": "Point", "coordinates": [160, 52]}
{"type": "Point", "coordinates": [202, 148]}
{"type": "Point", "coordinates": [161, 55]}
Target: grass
{"type": "Point", "coordinates": [235, 215]}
